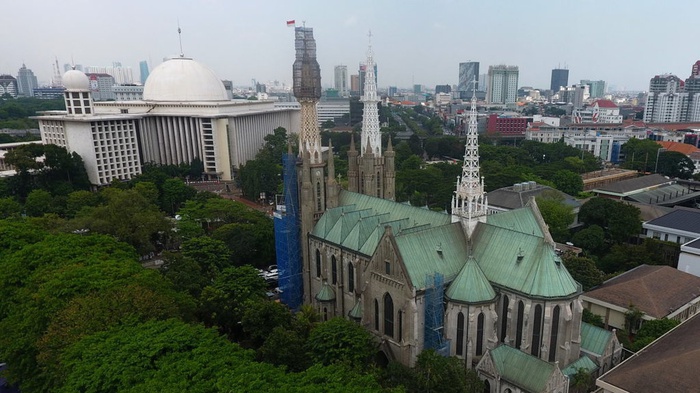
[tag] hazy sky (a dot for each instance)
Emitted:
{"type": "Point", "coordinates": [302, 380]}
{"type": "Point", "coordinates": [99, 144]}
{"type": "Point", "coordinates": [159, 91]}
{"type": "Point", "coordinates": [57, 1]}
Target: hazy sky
{"type": "Point", "coordinates": [624, 42]}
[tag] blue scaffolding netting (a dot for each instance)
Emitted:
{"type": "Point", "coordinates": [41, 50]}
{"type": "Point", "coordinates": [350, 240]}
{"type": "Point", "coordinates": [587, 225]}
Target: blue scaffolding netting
{"type": "Point", "coordinates": [287, 243]}
{"type": "Point", "coordinates": [435, 315]}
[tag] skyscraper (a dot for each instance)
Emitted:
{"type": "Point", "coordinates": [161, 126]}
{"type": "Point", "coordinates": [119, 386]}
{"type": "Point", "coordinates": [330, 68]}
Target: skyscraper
{"type": "Point", "coordinates": [560, 77]}
{"type": "Point", "coordinates": [8, 85]}
{"type": "Point", "coordinates": [695, 71]}
{"type": "Point", "coordinates": [666, 101]}
{"type": "Point", "coordinates": [26, 81]}
{"type": "Point", "coordinates": [503, 84]}
{"type": "Point", "coordinates": [468, 72]}
{"type": "Point", "coordinates": [143, 71]}
{"type": "Point", "coordinates": [341, 80]}
{"type": "Point", "coordinates": [596, 88]}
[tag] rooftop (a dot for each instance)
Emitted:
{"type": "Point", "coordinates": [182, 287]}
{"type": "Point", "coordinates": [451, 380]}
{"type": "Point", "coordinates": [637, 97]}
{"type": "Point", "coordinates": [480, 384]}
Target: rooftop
{"type": "Point", "coordinates": [523, 370]}
{"type": "Point", "coordinates": [632, 186]}
{"type": "Point", "coordinates": [679, 147]}
{"type": "Point", "coordinates": [682, 219]}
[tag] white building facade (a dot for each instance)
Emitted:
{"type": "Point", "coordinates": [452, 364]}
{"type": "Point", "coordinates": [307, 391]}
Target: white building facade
{"type": "Point", "coordinates": [502, 84]}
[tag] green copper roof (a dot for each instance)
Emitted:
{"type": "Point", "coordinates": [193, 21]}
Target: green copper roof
{"type": "Point", "coordinates": [583, 362]}
{"type": "Point", "coordinates": [417, 215]}
{"type": "Point", "coordinates": [523, 370]}
{"type": "Point", "coordinates": [438, 249]}
{"type": "Point", "coordinates": [326, 294]}
{"type": "Point", "coordinates": [356, 312]}
{"type": "Point", "coordinates": [594, 339]}
{"type": "Point", "coordinates": [521, 261]}
{"type": "Point", "coordinates": [520, 220]}
{"type": "Point", "coordinates": [471, 285]}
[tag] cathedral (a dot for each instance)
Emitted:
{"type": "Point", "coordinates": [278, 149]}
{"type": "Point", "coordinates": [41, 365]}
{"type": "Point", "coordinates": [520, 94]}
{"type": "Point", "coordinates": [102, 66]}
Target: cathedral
{"type": "Point", "coordinates": [487, 288]}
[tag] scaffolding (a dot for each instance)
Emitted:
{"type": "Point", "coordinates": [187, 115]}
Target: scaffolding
{"type": "Point", "coordinates": [287, 237]}
{"type": "Point", "coordinates": [434, 337]}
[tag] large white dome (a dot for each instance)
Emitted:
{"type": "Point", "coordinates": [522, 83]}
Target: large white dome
{"type": "Point", "coordinates": [182, 79]}
{"type": "Point", "coordinates": [76, 80]}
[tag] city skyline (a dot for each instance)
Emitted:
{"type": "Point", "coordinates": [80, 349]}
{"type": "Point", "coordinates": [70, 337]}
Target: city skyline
{"type": "Point", "coordinates": [413, 43]}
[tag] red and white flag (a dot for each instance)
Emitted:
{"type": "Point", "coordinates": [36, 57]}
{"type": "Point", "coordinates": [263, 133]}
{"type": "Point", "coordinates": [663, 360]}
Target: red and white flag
{"type": "Point", "coordinates": [290, 23]}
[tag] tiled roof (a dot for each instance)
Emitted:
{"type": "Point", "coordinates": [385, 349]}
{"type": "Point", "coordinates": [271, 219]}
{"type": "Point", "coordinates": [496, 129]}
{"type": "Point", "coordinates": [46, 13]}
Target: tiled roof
{"type": "Point", "coordinates": [520, 257]}
{"type": "Point", "coordinates": [668, 364]}
{"type": "Point", "coordinates": [656, 290]}
{"type": "Point", "coordinates": [682, 219]}
{"type": "Point", "coordinates": [679, 147]}
{"type": "Point", "coordinates": [471, 285]}
{"type": "Point", "coordinates": [584, 362]}
{"type": "Point", "coordinates": [649, 212]}
{"type": "Point", "coordinates": [508, 198]}
{"type": "Point", "coordinates": [693, 244]}
{"type": "Point", "coordinates": [594, 339]}
{"type": "Point", "coordinates": [523, 370]}
{"type": "Point", "coordinates": [326, 294]}
{"type": "Point", "coordinates": [605, 104]}
{"type": "Point", "coordinates": [630, 186]}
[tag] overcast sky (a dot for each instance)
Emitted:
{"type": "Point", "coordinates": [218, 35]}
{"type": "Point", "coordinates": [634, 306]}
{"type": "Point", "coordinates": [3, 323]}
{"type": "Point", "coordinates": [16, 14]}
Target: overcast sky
{"type": "Point", "coordinates": [624, 42]}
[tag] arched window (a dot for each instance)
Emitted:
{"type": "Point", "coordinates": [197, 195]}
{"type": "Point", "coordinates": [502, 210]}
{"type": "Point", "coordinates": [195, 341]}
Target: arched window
{"type": "Point", "coordinates": [388, 315]}
{"type": "Point", "coordinates": [460, 334]}
{"type": "Point", "coordinates": [318, 196]}
{"type": "Point", "coordinates": [555, 333]}
{"type": "Point", "coordinates": [504, 319]}
{"type": "Point", "coordinates": [537, 332]}
{"type": "Point", "coordinates": [325, 313]}
{"type": "Point", "coordinates": [487, 386]}
{"type": "Point", "coordinates": [376, 314]}
{"type": "Point", "coordinates": [480, 334]}
{"type": "Point", "coordinates": [351, 278]}
{"type": "Point", "coordinates": [318, 263]}
{"type": "Point", "coordinates": [519, 332]}
{"type": "Point", "coordinates": [334, 270]}
{"type": "Point", "coordinates": [400, 319]}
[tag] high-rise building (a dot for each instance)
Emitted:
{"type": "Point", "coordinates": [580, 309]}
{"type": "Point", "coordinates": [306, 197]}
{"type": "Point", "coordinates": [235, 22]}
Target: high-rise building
{"type": "Point", "coordinates": [502, 84]}
{"type": "Point", "coordinates": [121, 75]}
{"type": "Point", "coordinates": [666, 100]}
{"type": "Point", "coordinates": [595, 88]}
{"type": "Point", "coordinates": [355, 85]}
{"type": "Point", "coordinates": [560, 78]}
{"type": "Point", "coordinates": [468, 73]}
{"type": "Point", "coordinates": [341, 80]}
{"type": "Point", "coordinates": [695, 71]}
{"type": "Point", "coordinates": [417, 89]}
{"type": "Point", "coordinates": [8, 85]}
{"type": "Point", "coordinates": [483, 82]}
{"type": "Point", "coordinates": [443, 89]}
{"type": "Point", "coordinates": [101, 86]}
{"type": "Point", "coordinates": [26, 82]}
{"type": "Point", "coordinates": [143, 71]}
{"type": "Point", "coordinates": [391, 91]}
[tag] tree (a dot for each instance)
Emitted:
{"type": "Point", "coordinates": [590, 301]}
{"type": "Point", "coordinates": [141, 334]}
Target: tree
{"type": "Point", "coordinates": [436, 373]}
{"type": "Point", "coordinates": [211, 255]}
{"type": "Point", "coordinates": [584, 271]}
{"type": "Point", "coordinates": [582, 381]}
{"type": "Point", "coordinates": [341, 341]}
{"type": "Point", "coordinates": [556, 214]}
{"type": "Point", "coordinates": [590, 239]}
{"type": "Point", "coordinates": [568, 182]}
{"type": "Point", "coordinates": [640, 154]}
{"type": "Point", "coordinates": [260, 318]}
{"type": "Point", "coordinates": [650, 331]}
{"type": "Point", "coordinates": [675, 164]}
{"type": "Point", "coordinates": [285, 347]}
{"type": "Point", "coordinates": [593, 319]}
{"type": "Point", "coordinates": [260, 176]}
{"type": "Point", "coordinates": [9, 207]}
{"type": "Point", "coordinates": [619, 219]}
{"type": "Point", "coordinates": [79, 199]}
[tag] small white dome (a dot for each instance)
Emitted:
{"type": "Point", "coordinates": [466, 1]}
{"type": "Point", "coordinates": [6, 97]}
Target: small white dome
{"type": "Point", "coordinates": [76, 80]}
{"type": "Point", "coordinates": [182, 79]}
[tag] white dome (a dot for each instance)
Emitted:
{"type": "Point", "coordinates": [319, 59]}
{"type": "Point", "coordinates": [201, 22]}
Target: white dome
{"type": "Point", "coordinates": [182, 79]}
{"type": "Point", "coordinates": [76, 80]}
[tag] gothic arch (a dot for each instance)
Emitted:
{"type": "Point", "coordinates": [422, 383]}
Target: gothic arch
{"type": "Point", "coordinates": [480, 334]}
{"type": "Point", "coordinates": [460, 334]}
{"type": "Point", "coordinates": [537, 332]}
{"type": "Point", "coordinates": [318, 263]}
{"type": "Point", "coordinates": [388, 315]}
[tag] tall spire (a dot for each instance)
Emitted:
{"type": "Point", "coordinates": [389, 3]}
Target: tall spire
{"type": "Point", "coordinates": [469, 204]}
{"type": "Point", "coordinates": [371, 134]}
{"type": "Point", "coordinates": [307, 90]}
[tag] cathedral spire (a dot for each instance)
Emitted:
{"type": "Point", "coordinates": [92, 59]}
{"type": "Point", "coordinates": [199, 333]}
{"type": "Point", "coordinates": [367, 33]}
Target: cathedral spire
{"type": "Point", "coordinates": [370, 114]}
{"type": "Point", "coordinates": [469, 204]}
{"type": "Point", "coordinates": [307, 90]}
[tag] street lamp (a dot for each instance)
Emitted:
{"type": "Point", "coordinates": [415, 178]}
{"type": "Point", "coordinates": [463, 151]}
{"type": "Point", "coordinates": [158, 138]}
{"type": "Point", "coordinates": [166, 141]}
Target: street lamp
{"type": "Point", "coordinates": [656, 164]}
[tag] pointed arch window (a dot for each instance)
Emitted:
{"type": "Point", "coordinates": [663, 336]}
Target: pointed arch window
{"type": "Point", "coordinates": [379, 184]}
{"type": "Point", "coordinates": [400, 322]}
{"type": "Point", "coordinates": [519, 332]}
{"type": "Point", "coordinates": [334, 270]}
{"type": "Point", "coordinates": [388, 315]}
{"type": "Point", "coordinates": [504, 319]}
{"type": "Point", "coordinates": [376, 315]}
{"type": "Point", "coordinates": [318, 263]}
{"type": "Point", "coordinates": [459, 351]}
{"type": "Point", "coordinates": [480, 334]}
{"type": "Point", "coordinates": [553, 340]}
{"type": "Point", "coordinates": [537, 332]}
{"type": "Point", "coordinates": [318, 196]}
{"type": "Point", "coordinates": [351, 278]}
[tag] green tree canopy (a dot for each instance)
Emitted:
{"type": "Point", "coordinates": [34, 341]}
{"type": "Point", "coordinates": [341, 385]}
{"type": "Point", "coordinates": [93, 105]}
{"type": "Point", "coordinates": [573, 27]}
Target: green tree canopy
{"type": "Point", "coordinates": [584, 271]}
{"type": "Point", "coordinates": [675, 164]}
{"type": "Point", "coordinates": [341, 341]}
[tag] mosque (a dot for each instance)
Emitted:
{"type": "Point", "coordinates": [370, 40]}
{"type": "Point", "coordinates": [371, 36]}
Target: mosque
{"type": "Point", "coordinates": [487, 288]}
{"type": "Point", "coordinates": [185, 114]}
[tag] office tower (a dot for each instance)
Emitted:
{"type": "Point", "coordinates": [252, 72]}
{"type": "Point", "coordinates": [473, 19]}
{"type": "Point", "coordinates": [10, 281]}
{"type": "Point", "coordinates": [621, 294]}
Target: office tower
{"type": "Point", "coordinates": [143, 71]}
{"type": "Point", "coordinates": [579, 94]}
{"type": "Point", "coordinates": [101, 86]}
{"type": "Point", "coordinates": [666, 100]}
{"type": "Point", "coordinates": [468, 72]}
{"type": "Point", "coordinates": [341, 80]}
{"type": "Point", "coordinates": [502, 84]}
{"type": "Point", "coordinates": [483, 82]}
{"type": "Point", "coordinates": [443, 89]}
{"type": "Point", "coordinates": [560, 78]}
{"type": "Point", "coordinates": [121, 75]}
{"type": "Point", "coordinates": [391, 91]}
{"type": "Point", "coordinates": [595, 88]}
{"type": "Point", "coordinates": [417, 89]}
{"type": "Point", "coordinates": [26, 82]}
{"type": "Point", "coordinates": [8, 85]}
{"type": "Point", "coordinates": [355, 84]}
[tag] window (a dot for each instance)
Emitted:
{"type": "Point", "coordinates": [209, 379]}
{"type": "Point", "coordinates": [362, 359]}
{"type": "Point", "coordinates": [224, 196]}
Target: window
{"type": "Point", "coordinates": [480, 334]}
{"type": "Point", "coordinates": [351, 278]}
{"type": "Point", "coordinates": [504, 319]}
{"type": "Point", "coordinates": [318, 196]}
{"type": "Point", "coordinates": [325, 313]}
{"type": "Point", "coordinates": [387, 267]}
{"type": "Point", "coordinates": [318, 263]}
{"type": "Point", "coordinates": [460, 334]}
{"type": "Point", "coordinates": [537, 332]}
{"type": "Point", "coordinates": [519, 332]}
{"type": "Point", "coordinates": [376, 315]}
{"type": "Point", "coordinates": [388, 315]}
{"type": "Point", "coordinates": [555, 333]}
{"type": "Point", "coordinates": [334, 270]}
{"type": "Point", "coordinates": [400, 335]}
